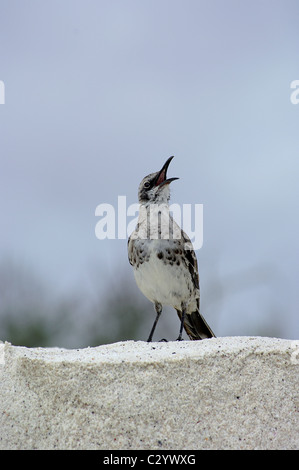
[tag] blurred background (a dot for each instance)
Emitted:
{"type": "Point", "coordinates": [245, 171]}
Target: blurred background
{"type": "Point", "coordinates": [99, 93]}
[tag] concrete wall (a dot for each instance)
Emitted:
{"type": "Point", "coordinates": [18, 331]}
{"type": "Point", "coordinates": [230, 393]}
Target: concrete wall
{"type": "Point", "coordinates": [224, 393]}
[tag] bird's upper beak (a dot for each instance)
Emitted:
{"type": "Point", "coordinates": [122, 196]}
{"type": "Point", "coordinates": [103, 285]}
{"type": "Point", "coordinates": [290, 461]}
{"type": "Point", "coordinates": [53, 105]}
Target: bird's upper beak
{"type": "Point", "coordinates": [161, 176]}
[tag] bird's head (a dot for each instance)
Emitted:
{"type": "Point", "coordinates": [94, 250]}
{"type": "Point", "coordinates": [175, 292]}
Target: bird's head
{"type": "Point", "coordinates": [154, 188]}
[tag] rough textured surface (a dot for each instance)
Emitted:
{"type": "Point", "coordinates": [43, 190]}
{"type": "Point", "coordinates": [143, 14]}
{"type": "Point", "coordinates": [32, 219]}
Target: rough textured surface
{"type": "Point", "coordinates": [224, 393]}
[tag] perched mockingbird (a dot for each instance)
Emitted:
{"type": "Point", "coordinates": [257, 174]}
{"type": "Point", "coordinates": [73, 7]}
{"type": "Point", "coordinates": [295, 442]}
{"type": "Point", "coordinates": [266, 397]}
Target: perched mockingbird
{"type": "Point", "coordinates": [164, 262]}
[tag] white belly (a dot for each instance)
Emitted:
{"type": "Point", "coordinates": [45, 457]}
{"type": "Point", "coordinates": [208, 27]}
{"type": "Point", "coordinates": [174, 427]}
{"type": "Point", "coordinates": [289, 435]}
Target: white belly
{"type": "Point", "coordinates": [165, 283]}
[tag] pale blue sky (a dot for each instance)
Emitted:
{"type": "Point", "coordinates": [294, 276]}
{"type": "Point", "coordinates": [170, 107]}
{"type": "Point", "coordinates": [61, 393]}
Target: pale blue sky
{"type": "Point", "coordinates": [101, 93]}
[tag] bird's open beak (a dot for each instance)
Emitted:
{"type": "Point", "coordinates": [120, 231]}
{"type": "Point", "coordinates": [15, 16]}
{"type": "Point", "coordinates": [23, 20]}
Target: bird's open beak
{"type": "Point", "coordinates": [161, 177]}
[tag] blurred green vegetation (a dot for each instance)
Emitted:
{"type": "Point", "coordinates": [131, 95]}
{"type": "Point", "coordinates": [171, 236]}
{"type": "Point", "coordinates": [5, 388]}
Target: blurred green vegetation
{"type": "Point", "coordinates": [32, 314]}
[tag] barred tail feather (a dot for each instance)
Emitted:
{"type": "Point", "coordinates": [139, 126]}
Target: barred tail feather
{"type": "Point", "coordinates": [195, 326]}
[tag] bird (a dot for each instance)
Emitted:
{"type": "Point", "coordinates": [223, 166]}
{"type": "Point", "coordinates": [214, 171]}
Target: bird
{"type": "Point", "coordinates": [163, 259]}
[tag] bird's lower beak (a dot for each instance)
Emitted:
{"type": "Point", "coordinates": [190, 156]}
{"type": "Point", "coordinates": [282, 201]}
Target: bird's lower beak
{"type": "Point", "coordinates": [161, 176]}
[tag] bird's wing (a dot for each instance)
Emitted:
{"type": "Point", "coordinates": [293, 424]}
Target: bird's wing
{"type": "Point", "coordinates": [191, 259]}
{"type": "Point", "coordinates": [130, 250]}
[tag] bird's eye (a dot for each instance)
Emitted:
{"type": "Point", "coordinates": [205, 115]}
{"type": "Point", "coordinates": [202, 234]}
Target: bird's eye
{"type": "Point", "coordinates": [146, 184]}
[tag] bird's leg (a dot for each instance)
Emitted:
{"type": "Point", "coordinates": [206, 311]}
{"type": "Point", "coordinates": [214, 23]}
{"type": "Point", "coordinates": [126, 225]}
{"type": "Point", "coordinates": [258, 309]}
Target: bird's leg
{"type": "Point", "coordinates": [182, 321]}
{"type": "Point", "coordinates": [158, 308]}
